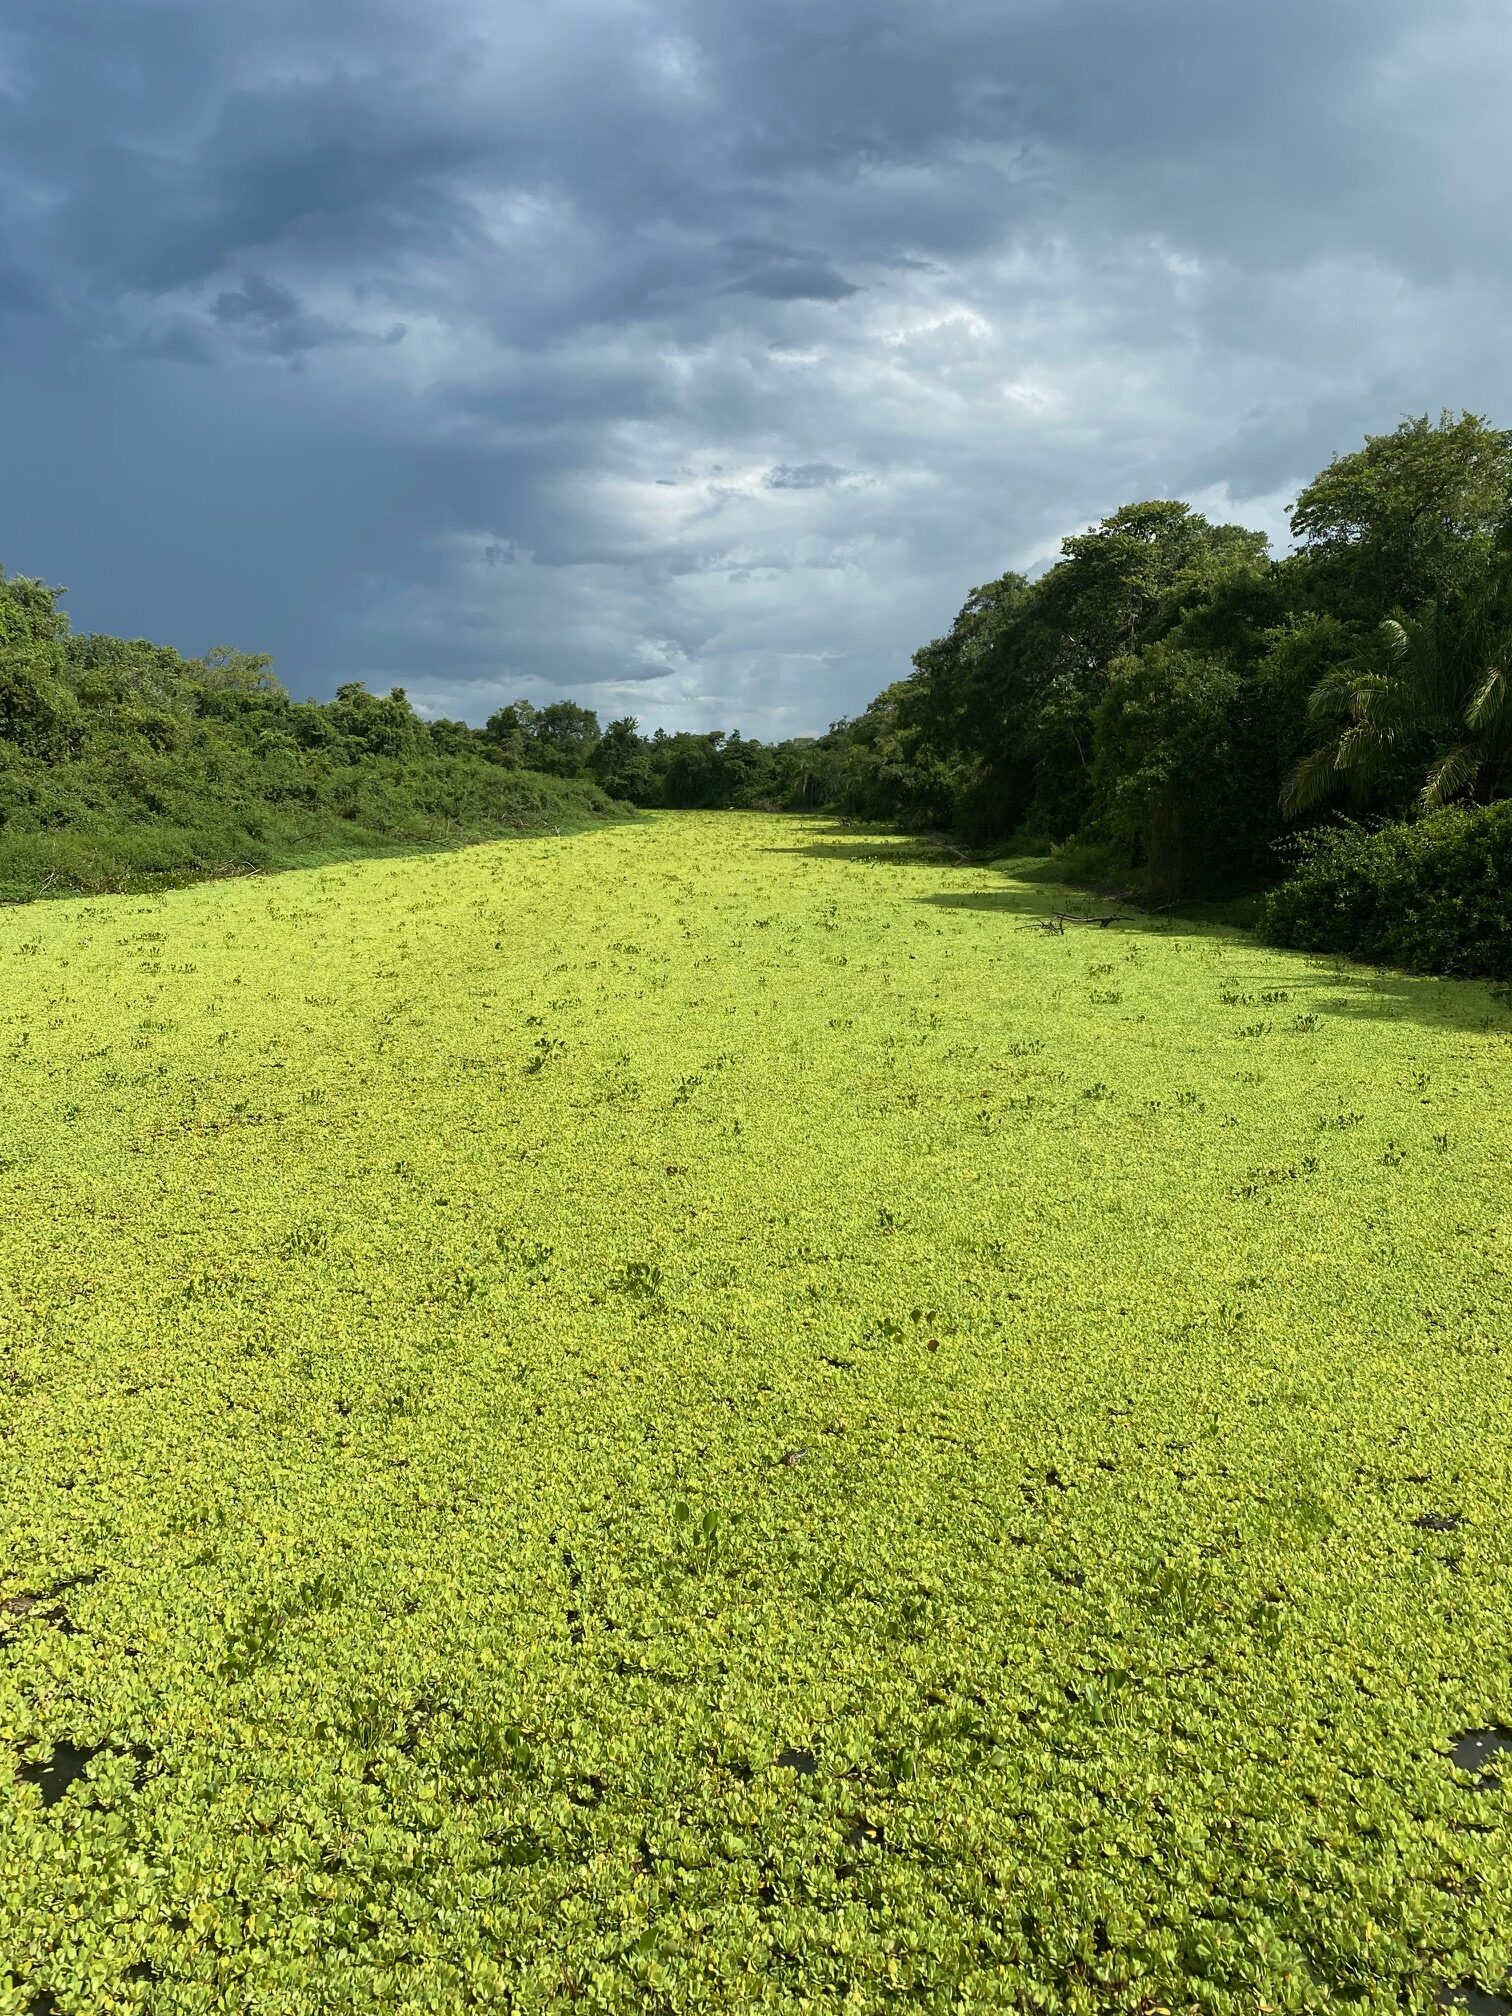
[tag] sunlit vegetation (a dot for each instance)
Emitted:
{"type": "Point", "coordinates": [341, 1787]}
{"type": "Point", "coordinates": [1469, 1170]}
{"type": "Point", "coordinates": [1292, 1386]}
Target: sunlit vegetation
{"type": "Point", "coordinates": [726, 1414]}
{"type": "Point", "coordinates": [125, 766]}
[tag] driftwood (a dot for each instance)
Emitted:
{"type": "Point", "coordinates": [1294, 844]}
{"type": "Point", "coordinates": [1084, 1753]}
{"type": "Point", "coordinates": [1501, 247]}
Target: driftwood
{"type": "Point", "coordinates": [1059, 919]}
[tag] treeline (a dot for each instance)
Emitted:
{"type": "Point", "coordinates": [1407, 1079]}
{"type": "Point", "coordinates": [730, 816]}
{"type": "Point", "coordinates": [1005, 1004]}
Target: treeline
{"type": "Point", "coordinates": [1180, 713]}
{"type": "Point", "coordinates": [1170, 706]}
{"type": "Point", "coordinates": [714, 771]}
{"type": "Point", "coordinates": [1176, 701]}
{"type": "Point", "coordinates": [1169, 701]}
{"type": "Point", "coordinates": [121, 761]}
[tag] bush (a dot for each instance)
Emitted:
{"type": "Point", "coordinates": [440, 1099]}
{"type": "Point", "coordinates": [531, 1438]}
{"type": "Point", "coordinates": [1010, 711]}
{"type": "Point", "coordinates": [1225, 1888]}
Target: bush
{"type": "Point", "coordinates": [1433, 895]}
{"type": "Point", "coordinates": [123, 764]}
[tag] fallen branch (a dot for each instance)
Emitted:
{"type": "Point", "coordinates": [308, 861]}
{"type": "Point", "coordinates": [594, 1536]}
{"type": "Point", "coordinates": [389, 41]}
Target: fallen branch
{"type": "Point", "coordinates": [1059, 919]}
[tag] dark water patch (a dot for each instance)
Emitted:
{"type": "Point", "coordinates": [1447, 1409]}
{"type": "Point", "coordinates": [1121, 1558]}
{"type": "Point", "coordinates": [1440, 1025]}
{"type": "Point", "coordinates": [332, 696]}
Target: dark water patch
{"type": "Point", "coordinates": [804, 1762]}
{"type": "Point", "coordinates": [69, 1761]}
{"type": "Point", "coordinates": [1473, 1750]}
{"type": "Point", "coordinates": [43, 1604]}
{"type": "Point", "coordinates": [791, 1458]}
{"type": "Point", "coordinates": [1468, 1995]}
{"type": "Point", "coordinates": [866, 1834]}
{"type": "Point", "coordinates": [64, 1768]}
{"type": "Point", "coordinates": [1439, 1522]}
{"type": "Point", "coordinates": [17, 1610]}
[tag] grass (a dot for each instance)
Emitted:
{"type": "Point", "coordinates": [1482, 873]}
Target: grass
{"type": "Point", "coordinates": [706, 1416]}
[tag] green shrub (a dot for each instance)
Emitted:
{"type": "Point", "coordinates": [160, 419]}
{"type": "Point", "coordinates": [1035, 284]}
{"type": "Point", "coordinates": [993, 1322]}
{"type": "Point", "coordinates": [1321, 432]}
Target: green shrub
{"type": "Point", "coordinates": [1434, 895]}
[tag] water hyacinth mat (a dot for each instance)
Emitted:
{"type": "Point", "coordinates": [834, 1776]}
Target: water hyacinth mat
{"type": "Point", "coordinates": [709, 1416]}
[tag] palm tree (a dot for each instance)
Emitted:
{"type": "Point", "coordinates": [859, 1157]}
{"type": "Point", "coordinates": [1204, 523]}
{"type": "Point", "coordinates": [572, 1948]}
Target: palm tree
{"type": "Point", "coordinates": [1426, 707]}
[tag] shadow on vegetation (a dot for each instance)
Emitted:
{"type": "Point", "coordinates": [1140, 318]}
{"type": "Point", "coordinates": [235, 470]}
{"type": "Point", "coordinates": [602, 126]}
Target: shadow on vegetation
{"type": "Point", "coordinates": [1031, 893]}
{"type": "Point", "coordinates": [877, 848]}
{"type": "Point", "coordinates": [294, 858]}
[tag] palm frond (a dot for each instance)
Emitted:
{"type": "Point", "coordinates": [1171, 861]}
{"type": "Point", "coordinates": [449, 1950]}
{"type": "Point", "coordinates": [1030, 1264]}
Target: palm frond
{"type": "Point", "coordinates": [1313, 778]}
{"type": "Point", "coordinates": [1331, 699]}
{"type": "Point", "coordinates": [1488, 699]}
{"type": "Point", "coordinates": [1433, 688]}
{"type": "Point", "coordinates": [1453, 774]}
{"type": "Point", "coordinates": [1365, 747]}
{"type": "Point", "coordinates": [1395, 639]}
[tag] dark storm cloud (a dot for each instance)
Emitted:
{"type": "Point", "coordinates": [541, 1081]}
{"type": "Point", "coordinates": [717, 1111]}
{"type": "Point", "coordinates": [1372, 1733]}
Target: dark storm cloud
{"type": "Point", "coordinates": [701, 356]}
{"type": "Point", "coordinates": [273, 318]}
{"type": "Point", "coordinates": [802, 476]}
{"type": "Point", "coordinates": [796, 282]}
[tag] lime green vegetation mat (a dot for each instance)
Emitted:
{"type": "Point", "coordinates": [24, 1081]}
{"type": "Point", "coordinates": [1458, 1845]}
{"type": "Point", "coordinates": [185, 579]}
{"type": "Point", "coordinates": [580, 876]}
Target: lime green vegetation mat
{"type": "Point", "coordinates": [703, 1417]}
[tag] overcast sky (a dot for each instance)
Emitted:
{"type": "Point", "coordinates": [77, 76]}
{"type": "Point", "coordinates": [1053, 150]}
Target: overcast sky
{"type": "Point", "coordinates": [695, 357]}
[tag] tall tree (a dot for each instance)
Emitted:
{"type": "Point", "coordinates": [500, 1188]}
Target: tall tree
{"type": "Point", "coordinates": [621, 762]}
{"type": "Point", "coordinates": [1116, 588]}
{"type": "Point", "coordinates": [1410, 518]}
{"type": "Point", "coordinates": [1422, 714]}
{"type": "Point", "coordinates": [563, 736]}
{"type": "Point", "coordinates": [38, 714]}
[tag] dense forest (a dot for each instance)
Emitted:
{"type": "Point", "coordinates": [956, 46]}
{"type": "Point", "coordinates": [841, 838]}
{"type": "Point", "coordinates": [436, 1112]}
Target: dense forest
{"type": "Point", "coordinates": [1171, 707]}
{"type": "Point", "coordinates": [1172, 695]}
